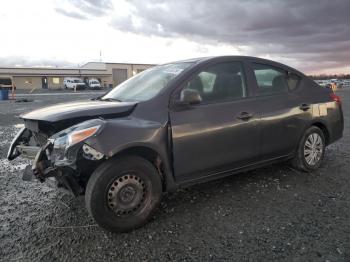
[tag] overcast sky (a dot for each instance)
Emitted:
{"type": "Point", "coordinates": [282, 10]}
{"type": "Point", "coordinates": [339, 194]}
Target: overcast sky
{"type": "Point", "coordinates": [311, 35]}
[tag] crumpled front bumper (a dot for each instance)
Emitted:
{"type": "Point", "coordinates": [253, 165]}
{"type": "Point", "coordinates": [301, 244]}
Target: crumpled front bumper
{"type": "Point", "coordinates": [13, 152]}
{"type": "Point", "coordinates": [69, 163]}
{"type": "Point", "coordinates": [42, 166]}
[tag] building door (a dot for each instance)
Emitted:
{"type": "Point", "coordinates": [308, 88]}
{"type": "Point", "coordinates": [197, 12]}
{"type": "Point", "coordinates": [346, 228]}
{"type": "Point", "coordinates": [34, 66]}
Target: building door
{"type": "Point", "coordinates": [119, 76]}
{"type": "Point", "coordinates": [44, 82]}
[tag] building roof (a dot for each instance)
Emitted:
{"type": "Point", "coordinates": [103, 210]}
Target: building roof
{"type": "Point", "coordinates": [90, 68]}
{"type": "Point", "coordinates": [114, 63]}
{"type": "Point", "coordinates": [50, 71]}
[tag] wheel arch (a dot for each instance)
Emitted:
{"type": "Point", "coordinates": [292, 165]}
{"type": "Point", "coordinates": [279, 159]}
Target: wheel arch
{"type": "Point", "coordinates": [159, 160]}
{"type": "Point", "coordinates": [321, 126]}
{"type": "Point", "coordinates": [324, 130]}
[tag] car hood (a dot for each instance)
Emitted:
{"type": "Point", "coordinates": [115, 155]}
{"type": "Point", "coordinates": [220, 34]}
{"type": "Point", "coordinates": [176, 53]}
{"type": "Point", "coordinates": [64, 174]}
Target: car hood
{"type": "Point", "coordinates": [81, 110]}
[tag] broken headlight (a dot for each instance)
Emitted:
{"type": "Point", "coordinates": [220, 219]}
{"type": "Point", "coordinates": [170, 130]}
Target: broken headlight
{"type": "Point", "coordinates": [65, 143]}
{"type": "Point", "coordinates": [80, 135]}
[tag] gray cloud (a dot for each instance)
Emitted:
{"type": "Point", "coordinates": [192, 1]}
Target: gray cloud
{"type": "Point", "coordinates": [85, 9]}
{"type": "Point", "coordinates": [296, 30]}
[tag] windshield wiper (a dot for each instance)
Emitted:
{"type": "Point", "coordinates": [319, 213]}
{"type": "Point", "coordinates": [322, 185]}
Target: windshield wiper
{"type": "Point", "coordinates": [110, 99]}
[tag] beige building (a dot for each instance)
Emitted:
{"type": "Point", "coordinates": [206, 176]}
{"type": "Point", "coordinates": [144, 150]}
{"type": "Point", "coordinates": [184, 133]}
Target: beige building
{"type": "Point", "coordinates": [109, 74]}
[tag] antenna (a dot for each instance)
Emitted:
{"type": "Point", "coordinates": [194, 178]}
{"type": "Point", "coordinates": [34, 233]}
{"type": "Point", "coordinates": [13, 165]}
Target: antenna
{"type": "Point", "coordinates": [100, 56]}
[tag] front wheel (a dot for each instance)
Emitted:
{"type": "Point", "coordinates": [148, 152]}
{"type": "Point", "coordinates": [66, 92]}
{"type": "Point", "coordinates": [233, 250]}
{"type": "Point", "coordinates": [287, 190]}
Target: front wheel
{"type": "Point", "coordinates": [311, 150]}
{"type": "Point", "coordinates": [122, 194]}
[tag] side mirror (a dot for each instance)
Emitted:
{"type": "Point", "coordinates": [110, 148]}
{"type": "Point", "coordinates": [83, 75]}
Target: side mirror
{"type": "Point", "coordinates": [189, 97]}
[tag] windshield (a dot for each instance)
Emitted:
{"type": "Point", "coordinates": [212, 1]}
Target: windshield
{"type": "Point", "coordinates": [147, 84]}
{"type": "Point", "coordinates": [77, 81]}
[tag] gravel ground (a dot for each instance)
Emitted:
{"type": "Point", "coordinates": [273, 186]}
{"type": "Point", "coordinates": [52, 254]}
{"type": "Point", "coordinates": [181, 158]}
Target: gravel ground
{"type": "Point", "coordinates": [270, 214]}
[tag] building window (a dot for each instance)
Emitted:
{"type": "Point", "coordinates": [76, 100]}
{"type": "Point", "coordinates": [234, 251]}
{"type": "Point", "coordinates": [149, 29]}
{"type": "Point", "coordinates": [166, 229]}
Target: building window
{"type": "Point", "coordinates": [56, 80]}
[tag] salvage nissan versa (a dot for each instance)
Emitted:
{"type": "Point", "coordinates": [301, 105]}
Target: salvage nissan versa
{"type": "Point", "coordinates": [174, 125]}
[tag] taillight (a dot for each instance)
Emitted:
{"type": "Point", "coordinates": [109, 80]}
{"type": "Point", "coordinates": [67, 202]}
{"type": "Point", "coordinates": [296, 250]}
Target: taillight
{"type": "Point", "coordinates": [336, 98]}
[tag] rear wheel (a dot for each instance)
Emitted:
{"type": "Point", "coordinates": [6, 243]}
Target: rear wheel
{"type": "Point", "coordinates": [122, 194]}
{"type": "Point", "coordinates": [310, 151]}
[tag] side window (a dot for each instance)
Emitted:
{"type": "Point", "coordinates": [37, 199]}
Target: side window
{"type": "Point", "coordinates": [270, 80]}
{"type": "Point", "coordinates": [220, 82]}
{"type": "Point", "coordinates": [293, 81]}
{"type": "Point", "coordinates": [208, 80]}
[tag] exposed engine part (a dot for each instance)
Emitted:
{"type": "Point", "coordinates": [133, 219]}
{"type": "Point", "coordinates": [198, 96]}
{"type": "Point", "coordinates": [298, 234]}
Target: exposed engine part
{"type": "Point", "coordinates": [91, 153]}
{"type": "Point", "coordinates": [40, 138]}
{"type": "Point", "coordinates": [28, 151]}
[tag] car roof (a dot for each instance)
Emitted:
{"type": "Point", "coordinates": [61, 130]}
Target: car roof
{"type": "Point", "coordinates": [243, 58]}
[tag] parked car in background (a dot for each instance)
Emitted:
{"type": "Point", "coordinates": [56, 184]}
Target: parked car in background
{"type": "Point", "coordinates": [175, 125]}
{"type": "Point", "coordinates": [324, 83]}
{"type": "Point", "coordinates": [346, 83]}
{"type": "Point", "coordinates": [73, 83]}
{"type": "Point", "coordinates": [94, 84]}
{"type": "Point", "coordinates": [340, 83]}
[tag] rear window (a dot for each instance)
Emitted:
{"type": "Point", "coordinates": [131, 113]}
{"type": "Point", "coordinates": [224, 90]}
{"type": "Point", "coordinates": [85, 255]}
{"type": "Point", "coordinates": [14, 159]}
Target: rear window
{"type": "Point", "coordinates": [270, 80]}
{"type": "Point", "coordinates": [273, 80]}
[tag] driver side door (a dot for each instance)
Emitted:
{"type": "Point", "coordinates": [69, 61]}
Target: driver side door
{"type": "Point", "coordinates": [220, 133]}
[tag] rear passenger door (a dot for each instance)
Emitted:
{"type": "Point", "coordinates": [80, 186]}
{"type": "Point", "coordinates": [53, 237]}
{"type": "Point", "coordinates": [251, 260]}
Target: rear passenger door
{"type": "Point", "coordinates": [279, 111]}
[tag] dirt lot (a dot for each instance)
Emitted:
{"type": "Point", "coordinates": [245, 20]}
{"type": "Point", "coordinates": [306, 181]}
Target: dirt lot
{"type": "Point", "coordinates": [273, 213]}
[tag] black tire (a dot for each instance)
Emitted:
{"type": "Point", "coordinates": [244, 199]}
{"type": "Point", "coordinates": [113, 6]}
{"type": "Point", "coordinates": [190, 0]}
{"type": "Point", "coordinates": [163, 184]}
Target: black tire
{"type": "Point", "coordinates": [300, 161]}
{"type": "Point", "coordinates": [136, 175]}
{"type": "Point", "coordinates": [65, 86]}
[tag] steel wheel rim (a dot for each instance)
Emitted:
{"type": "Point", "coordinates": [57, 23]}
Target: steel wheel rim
{"type": "Point", "coordinates": [126, 194]}
{"type": "Point", "coordinates": [313, 149]}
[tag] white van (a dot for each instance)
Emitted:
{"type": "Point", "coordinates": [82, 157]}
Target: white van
{"type": "Point", "coordinates": [94, 84]}
{"type": "Point", "coordinates": [73, 83]}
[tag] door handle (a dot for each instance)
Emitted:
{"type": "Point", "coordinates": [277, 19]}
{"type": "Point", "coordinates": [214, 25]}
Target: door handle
{"type": "Point", "coordinates": [245, 116]}
{"type": "Point", "coordinates": [304, 107]}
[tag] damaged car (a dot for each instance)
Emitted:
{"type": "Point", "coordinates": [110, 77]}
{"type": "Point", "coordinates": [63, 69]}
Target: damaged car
{"type": "Point", "coordinates": [175, 125]}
